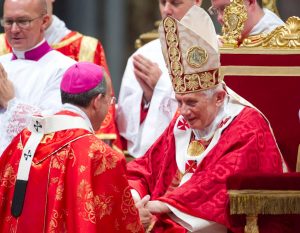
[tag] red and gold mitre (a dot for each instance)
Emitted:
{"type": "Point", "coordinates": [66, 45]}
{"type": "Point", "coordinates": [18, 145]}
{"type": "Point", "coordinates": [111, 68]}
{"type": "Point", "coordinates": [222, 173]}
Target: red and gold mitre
{"type": "Point", "coordinates": [191, 52]}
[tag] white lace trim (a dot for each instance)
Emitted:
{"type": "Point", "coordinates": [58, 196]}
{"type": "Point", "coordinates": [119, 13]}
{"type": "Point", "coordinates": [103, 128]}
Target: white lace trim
{"type": "Point", "coordinates": [14, 120]}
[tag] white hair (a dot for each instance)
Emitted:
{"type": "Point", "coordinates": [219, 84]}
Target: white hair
{"type": "Point", "coordinates": [210, 92]}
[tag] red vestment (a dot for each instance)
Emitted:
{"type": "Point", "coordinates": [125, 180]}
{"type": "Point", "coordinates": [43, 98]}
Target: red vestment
{"type": "Point", "coordinates": [77, 183]}
{"type": "Point", "coordinates": [84, 48]}
{"type": "Point", "coordinates": [247, 144]}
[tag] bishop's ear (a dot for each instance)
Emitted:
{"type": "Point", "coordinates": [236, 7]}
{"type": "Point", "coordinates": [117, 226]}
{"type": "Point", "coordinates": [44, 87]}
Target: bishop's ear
{"type": "Point", "coordinates": [220, 96]}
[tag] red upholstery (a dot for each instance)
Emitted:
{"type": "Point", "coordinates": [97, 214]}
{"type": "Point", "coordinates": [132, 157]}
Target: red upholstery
{"type": "Point", "coordinates": [264, 181]}
{"type": "Point", "coordinates": [278, 97]}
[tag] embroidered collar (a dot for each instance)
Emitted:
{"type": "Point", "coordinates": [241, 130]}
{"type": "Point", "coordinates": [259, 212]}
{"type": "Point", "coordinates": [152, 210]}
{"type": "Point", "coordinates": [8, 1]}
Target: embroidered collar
{"type": "Point", "coordinates": [33, 54]}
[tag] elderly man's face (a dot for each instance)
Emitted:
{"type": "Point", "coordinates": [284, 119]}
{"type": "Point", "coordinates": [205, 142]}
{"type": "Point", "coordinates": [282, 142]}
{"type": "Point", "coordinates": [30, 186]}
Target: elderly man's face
{"type": "Point", "coordinates": [176, 8]}
{"type": "Point", "coordinates": [198, 109]}
{"type": "Point", "coordinates": [24, 23]}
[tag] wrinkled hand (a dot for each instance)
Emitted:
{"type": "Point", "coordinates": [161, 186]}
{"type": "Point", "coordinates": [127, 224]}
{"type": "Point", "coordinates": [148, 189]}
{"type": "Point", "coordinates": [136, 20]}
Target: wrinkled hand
{"type": "Point", "coordinates": [6, 88]}
{"type": "Point", "coordinates": [144, 213]}
{"type": "Point", "coordinates": [147, 74]}
{"type": "Point", "coordinates": [157, 207]}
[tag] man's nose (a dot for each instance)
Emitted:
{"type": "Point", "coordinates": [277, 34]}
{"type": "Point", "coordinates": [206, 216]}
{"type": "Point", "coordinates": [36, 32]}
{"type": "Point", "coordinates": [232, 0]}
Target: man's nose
{"type": "Point", "coordinates": [15, 27]}
{"type": "Point", "coordinates": [168, 9]}
{"type": "Point", "coordinates": [184, 110]}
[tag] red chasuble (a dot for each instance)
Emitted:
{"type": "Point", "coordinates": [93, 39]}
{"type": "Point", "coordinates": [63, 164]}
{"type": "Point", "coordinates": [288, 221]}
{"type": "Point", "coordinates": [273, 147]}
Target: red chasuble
{"type": "Point", "coordinates": [84, 48]}
{"type": "Point", "coordinates": [76, 184]}
{"type": "Point", "coordinates": [247, 144]}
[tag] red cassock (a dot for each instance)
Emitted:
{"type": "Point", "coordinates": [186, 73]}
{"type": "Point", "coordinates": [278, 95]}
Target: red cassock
{"type": "Point", "coordinates": [76, 184]}
{"type": "Point", "coordinates": [247, 144]}
{"type": "Point", "coordinates": [84, 48]}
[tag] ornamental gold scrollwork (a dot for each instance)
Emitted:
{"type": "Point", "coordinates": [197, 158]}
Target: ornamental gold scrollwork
{"type": "Point", "coordinates": [172, 41]}
{"type": "Point", "coordinates": [271, 5]}
{"type": "Point", "coordinates": [285, 37]}
{"type": "Point", "coordinates": [235, 15]}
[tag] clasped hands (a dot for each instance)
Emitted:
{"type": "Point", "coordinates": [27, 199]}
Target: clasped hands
{"type": "Point", "coordinates": [6, 88]}
{"type": "Point", "coordinates": [148, 208]}
{"type": "Point", "coordinates": [147, 74]}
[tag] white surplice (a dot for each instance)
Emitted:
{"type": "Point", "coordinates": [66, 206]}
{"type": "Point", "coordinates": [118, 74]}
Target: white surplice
{"type": "Point", "coordinates": [162, 107]}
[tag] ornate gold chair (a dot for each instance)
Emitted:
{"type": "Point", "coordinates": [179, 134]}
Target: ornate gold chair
{"type": "Point", "coordinates": [265, 70]}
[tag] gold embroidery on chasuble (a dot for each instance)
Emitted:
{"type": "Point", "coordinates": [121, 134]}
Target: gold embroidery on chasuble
{"type": "Point", "coordinates": [103, 159]}
{"type": "Point", "coordinates": [20, 146]}
{"type": "Point", "coordinates": [47, 138]}
{"type": "Point", "coordinates": [92, 207]}
{"type": "Point", "coordinates": [8, 177]}
{"type": "Point", "coordinates": [54, 221]}
{"type": "Point", "coordinates": [128, 203]}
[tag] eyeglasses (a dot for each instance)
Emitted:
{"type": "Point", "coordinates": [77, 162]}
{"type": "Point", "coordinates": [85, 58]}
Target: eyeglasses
{"type": "Point", "coordinates": [21, 23]}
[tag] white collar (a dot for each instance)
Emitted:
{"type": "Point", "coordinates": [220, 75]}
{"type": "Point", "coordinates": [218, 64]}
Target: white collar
{"type": "Point", "coordinates": [73, 108]}
{"type": "Point", "coordinates": [267, 23]}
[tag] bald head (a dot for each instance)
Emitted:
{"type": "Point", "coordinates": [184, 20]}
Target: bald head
{"type": "Point", "coordinates": [22, 37]}
{"type": "Point", "coordinates": [40, 6]}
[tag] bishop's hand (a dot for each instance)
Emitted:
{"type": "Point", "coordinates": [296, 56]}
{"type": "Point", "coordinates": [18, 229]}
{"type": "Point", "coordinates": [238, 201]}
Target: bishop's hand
{"type": "Point", "coordinates": [144, 213]}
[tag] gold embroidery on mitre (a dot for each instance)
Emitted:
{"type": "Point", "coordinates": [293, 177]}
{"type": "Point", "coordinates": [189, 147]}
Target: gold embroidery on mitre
{"type": "Point", "coordinates": [195, 148]}
{"type": "Point", "coordinates": [196, 56]}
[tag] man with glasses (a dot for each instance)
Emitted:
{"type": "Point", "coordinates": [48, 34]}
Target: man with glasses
{"type": "Point", "coordinates": [80, 48]}
{"type": "Point", "coordinates": [260, 20]}
{"type": "Point", "coordinates": [146, 83]}
{"type": "Point", "coordinates": [31, 74]}
{"type": "Point", "coordinates": [77, 183]}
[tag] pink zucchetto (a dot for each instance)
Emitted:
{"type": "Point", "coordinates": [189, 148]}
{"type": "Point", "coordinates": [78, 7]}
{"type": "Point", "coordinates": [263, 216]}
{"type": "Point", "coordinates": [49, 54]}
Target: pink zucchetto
{"type": "Point", "coordinates": [81, 77]}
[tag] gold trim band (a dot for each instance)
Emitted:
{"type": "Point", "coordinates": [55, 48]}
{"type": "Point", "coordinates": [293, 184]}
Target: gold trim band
{"type": "Point", "coordinates": [259, 71]}
{"type": "Point", "coordinates": [67, 41]}
{"type": "Point", "coordinates": [259, 51]}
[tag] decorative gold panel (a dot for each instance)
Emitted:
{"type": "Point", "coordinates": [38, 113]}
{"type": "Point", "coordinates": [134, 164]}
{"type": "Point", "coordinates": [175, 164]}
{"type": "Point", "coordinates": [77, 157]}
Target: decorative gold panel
{"type": "Point", "coordinates": [235, 15]}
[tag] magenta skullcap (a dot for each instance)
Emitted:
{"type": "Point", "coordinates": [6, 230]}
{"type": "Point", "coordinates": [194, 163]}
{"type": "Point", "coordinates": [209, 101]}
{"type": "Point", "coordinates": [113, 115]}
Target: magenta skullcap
{"type": "Point", "coordinates": [81, 77]}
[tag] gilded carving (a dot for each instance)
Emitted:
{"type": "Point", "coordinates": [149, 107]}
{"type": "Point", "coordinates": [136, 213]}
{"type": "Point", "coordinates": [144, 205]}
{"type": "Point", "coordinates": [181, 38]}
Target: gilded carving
{"type": "Point", "coordinates": [287, 36]}
{"type": "Point", "coordinates": [235, 15]}
{"type": "Point", "coordinates": [271, 5]}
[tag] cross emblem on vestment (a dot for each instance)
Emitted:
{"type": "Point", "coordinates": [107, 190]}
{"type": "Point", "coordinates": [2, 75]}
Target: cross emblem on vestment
{"type": "Point", "coordinates": [27, 155]}
{"type": "Point", "coordinates": [183, 125]}
{"type": "Point", "coordinates": [37, 125]}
